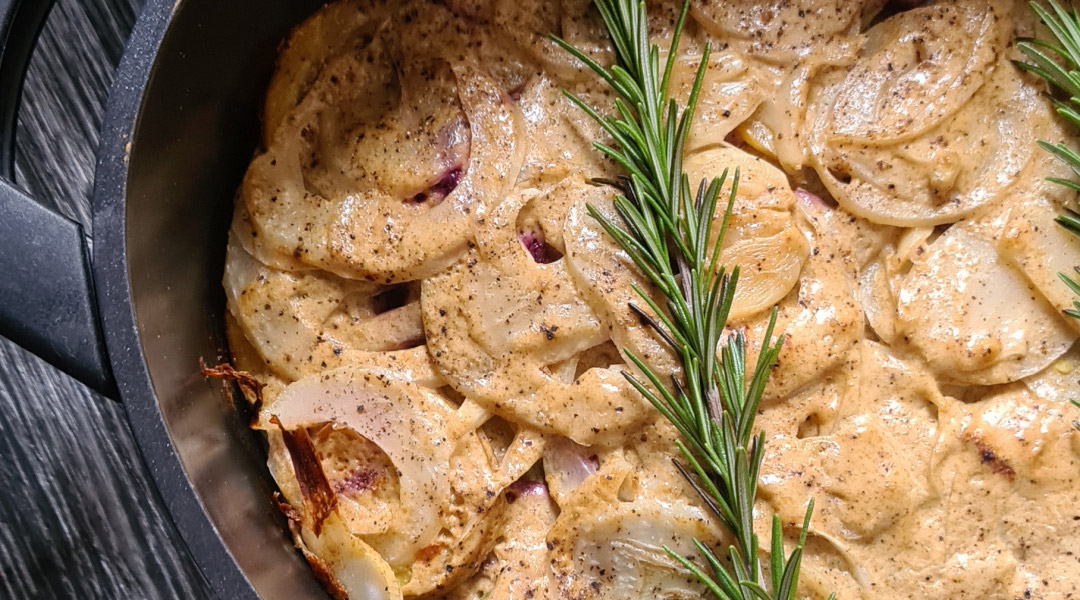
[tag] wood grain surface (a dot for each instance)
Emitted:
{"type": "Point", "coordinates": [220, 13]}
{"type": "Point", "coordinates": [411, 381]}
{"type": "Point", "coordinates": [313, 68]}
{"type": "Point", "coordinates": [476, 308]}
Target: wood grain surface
{"type": "Point", "coordinates": [79, 515]}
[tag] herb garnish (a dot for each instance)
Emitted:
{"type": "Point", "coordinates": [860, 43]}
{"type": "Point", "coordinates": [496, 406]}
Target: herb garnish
{"type": "Point", "coordinates": [668, 231]}
{"type": "Point", "coordinates": [1064, 25]}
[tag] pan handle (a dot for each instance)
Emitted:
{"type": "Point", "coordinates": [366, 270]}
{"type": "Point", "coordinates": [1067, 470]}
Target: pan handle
{"type": "Point", "coordinates": [47, 301]}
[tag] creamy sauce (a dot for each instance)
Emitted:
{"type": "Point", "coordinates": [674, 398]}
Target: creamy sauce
{"type": "Point", "coordinates": [413, 276]}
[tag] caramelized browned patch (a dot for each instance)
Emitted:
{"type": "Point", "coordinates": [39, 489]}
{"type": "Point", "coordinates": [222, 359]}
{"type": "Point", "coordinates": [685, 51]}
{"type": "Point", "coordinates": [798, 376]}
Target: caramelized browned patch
{"type": "Point", "coordinates": [286, 508]}
{"type": "Point", "coordinates": [991, 459]}
{"type": "Point", "coordinates": [319, 497]}
{"type": "Point", "coordinates": [428, 552]}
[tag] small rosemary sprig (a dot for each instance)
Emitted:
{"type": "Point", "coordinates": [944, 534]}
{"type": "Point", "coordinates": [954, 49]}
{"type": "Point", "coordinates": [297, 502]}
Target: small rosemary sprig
{"type": "Point", "coordinates": [1064, 26]}
{"type": "Point", "coordinates": [668, 231]}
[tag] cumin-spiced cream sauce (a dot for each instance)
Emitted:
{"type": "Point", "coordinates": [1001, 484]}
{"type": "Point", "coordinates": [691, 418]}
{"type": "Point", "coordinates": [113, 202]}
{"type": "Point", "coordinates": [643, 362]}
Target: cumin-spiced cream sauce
{"type": "Point", "coordinates": [438, 322]}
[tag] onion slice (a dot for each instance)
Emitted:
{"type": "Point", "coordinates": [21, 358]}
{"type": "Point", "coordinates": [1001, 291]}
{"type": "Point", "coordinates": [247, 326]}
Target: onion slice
{"type": "Point", "coordinates": [347, 565]}
{"type": "Point", "coordinates": [407, 421]}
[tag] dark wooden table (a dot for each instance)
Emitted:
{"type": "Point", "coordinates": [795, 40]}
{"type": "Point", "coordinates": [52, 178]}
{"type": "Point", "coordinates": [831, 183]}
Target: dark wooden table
{"type": "Point", "coordinates": [79, 515]}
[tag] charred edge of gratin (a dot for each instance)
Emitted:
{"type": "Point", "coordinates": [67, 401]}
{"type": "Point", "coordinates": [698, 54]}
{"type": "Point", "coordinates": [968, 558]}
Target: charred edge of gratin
{"type": "Point", "coordinates": [226, 372]}
{"type": "Point", "coordinates": [319, 497]}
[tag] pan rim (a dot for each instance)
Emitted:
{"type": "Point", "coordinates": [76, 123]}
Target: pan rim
{"type": "Point", "coordinates": [136, 70]}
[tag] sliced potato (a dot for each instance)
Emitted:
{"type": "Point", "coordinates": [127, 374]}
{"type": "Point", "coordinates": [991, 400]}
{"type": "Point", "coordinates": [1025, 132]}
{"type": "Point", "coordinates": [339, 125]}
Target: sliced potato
{"type": "Point", "coordinates": [501, 325]}
{"type": "Point", "coordinates": [762, 238]}
{"type": "Point", "coordinates": [973, 317]}
{"type": "Point", "coordinates": [867, 465]}
{"type": "Point", "coordinates": [781, 30]}
{"type": "Point", "coordinates": [731, 91]}
{"type": "Point", "coordinates": [559, 139]}
{"type": "Point", "coordinates": [407, 421]}
{"type": "Point", "coordinates": [1039, 246]}
{"type": "Point", "coordinates": [331, 30]}
{"type": "Point", "coordinates": [931, 123]}
{"type": "Point", "coordinates": [605, 276]}
{"type": "Point", "coordinates": [244, 357]}
{"type": "Point", "coordinates": [820, 318]}
{"type": "Point", "coordinates": [604, 547]}
{"type": "Point", "coordinates": [516, 568]}
{"type": "Point", "coordinates": [527, 28]}
{"type": "Point", "coordinates": [302, 322]}
{"type": "Point", "coordinates": [917, 68]}
{"type": "Point", "coordinates": [381, 152]}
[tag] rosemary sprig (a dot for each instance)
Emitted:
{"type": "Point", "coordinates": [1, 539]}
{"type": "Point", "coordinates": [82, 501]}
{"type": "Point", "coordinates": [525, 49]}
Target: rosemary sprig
{"type": "Point", "coordinates": [1046, 59]}
{"type": "Point", "coordinates": [668, 231]}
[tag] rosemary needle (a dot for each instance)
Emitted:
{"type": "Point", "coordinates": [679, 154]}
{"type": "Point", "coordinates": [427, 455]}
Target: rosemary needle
{"type": "Point", "coordinates": [666, 229]}
{"type": "Point", "coordinates": [1045, 57]}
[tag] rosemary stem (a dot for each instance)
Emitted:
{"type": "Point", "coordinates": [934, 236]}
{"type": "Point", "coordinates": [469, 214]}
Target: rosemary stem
{"type": "Point", "coordinates": [667, 232]}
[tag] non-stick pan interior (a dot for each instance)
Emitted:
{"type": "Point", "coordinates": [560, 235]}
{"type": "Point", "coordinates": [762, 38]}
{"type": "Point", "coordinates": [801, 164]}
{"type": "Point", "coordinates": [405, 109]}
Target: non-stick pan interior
{"type": "Point", "coordinates": [195, 135]}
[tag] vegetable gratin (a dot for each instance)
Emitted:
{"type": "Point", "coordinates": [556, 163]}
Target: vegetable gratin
{"type": "Point", "coordinates": [457, 354]}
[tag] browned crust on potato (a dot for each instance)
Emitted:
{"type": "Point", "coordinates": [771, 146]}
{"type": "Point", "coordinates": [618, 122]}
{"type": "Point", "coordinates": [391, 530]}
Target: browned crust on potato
{"type": "Point", "coordinates": [319, 497]}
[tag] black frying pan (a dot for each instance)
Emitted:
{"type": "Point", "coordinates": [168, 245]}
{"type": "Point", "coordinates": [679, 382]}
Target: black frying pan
{"type": "Point", "coordinates": [133, 319]}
